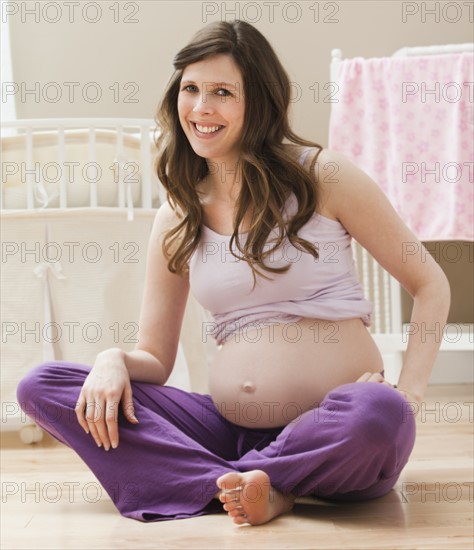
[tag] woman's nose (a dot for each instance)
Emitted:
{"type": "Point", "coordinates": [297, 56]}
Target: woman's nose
{"type": "Point", "coordinates": [203, 105]}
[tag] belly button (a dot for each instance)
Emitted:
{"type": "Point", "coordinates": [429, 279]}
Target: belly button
{"type": "Point", "coordinates": [248, 387]}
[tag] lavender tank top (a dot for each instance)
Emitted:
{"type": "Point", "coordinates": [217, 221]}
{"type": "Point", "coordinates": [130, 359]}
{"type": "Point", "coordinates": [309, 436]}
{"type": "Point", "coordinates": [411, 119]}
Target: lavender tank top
{"type": "Point", "coordinates": [325, 288]}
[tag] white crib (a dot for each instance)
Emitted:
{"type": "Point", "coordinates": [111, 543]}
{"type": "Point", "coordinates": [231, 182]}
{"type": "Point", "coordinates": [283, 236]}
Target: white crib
{"type": "Point", "coordinates": [388, 330]}
{"type": "Point", "coordinates": [64, 163]}
{"type": "Point", "coordinates": [78, 200]}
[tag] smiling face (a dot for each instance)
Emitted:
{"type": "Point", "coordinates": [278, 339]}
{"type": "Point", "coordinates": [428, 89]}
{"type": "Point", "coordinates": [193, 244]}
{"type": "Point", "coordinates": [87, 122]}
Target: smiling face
{"type": "Point", "coordinates": [211, 108]}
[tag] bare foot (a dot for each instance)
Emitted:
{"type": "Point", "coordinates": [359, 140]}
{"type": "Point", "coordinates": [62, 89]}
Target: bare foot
{"type": "Point", "coordinates": [249, 497]}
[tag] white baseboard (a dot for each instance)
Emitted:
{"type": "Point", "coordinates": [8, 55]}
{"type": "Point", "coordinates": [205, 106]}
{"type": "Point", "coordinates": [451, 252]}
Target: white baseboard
{"type": "Point", "coordinates": [453, 367]}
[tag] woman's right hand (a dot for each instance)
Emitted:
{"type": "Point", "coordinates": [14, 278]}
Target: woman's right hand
{"type": "Point", "coordinates": [106, 388]}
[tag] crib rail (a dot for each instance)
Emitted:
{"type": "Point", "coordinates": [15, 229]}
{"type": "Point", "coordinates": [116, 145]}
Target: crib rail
{"type": "Point", "coordinates": [434, 50]}
{"type": "Point", "coordinates": [336, 54]}
{"type": "Point", "coordinates": [135, 132]}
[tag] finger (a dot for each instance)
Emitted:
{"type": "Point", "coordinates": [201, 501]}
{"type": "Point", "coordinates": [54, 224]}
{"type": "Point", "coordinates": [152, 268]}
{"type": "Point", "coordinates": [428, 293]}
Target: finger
{"type": "Point", "coordinates": [111, 420]}
{"type": "Point", "coordinates": [101, 424]}
{"type": "Point", "coordinates": [377, 378]}
{"type": "Point", "coordinates": [365, 377]}
{"type": "Point", "coordinates": [91, 417]}
{"type": "Point", "coordinates": [127, 405]}
{"type": "Point", "coordinates": [79, 410]}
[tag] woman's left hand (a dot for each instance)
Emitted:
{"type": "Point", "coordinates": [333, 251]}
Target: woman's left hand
{"type": "Point", "coordinates": [378, 378]}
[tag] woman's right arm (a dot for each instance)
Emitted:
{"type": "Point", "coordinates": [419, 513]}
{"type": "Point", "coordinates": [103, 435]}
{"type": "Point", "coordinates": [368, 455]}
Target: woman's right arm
{"type": "Point", "coordinates": [164, 300]}
{"type": "Point", "coordinates": [107, 386]}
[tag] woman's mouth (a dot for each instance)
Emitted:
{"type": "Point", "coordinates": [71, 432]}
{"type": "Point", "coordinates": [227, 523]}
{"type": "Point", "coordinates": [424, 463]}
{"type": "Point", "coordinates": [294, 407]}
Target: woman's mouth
{"type": "Point", "coordinates": [201, 130]}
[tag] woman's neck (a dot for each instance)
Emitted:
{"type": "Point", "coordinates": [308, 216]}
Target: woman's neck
{"type": "Point", "coordinates": [223, 182]}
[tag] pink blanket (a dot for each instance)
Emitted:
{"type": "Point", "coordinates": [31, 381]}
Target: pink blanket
{"type": "Point", "coordinates": [408, 123]}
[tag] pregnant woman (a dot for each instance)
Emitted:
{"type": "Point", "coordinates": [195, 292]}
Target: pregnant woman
{"type": "Point", "coordinates": [258, 224]}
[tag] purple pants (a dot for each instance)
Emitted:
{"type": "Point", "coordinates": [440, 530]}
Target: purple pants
{"type": "Point", "coordinates": [352, 447]}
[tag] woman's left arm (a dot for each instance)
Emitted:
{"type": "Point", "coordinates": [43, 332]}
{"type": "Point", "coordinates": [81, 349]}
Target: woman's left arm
{"type": "Point", "coordinates": [364, 210]}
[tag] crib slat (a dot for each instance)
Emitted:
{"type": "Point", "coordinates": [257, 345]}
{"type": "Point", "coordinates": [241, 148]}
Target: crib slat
{"type": "Point", "coordinates": [387, 308]}
{"type": "Point", "coordinates": [120, 171]}
{"type": "Point", "coordinates": [92, 157]}
{"type": "Point", "coordinates": [145, 161]}
{"type": "Point", "coordinates": [29, 163]}
{"type": "Point", "coordinates": [396, 305]}
{"type": "Point", "coordinates": [376, 289]}
{"type": "Point", "coordinates": [365, 272]}
{"type": "Point", "coordinates": [62, 158]}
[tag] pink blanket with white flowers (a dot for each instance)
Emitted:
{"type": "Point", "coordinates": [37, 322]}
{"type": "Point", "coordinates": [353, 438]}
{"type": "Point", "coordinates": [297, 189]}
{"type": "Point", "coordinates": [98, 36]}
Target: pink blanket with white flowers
{"type": "Point", "coordinates": [408, 123]}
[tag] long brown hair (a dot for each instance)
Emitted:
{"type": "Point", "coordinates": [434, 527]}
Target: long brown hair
{"type": "Point", "coordinates": [269, 171]}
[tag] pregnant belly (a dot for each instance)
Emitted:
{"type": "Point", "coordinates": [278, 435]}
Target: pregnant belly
{"type": "Point", "coordinates": [268, 377]}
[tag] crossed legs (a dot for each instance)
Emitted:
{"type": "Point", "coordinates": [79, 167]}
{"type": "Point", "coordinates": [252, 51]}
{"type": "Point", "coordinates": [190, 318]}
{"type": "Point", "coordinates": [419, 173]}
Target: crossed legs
{"type": "Point", "coordinates": [183, 453]}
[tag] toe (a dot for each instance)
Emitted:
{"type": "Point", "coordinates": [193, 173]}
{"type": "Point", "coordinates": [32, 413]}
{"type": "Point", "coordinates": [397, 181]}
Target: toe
{"type": "Point", "coordinates": [232, 506]}
{"type": "Point", "coordinates": [229, 496]}
{"type": "Point", "coordinates": [241, 519]}
{"type": "Point", "coordinates": [229, 482]}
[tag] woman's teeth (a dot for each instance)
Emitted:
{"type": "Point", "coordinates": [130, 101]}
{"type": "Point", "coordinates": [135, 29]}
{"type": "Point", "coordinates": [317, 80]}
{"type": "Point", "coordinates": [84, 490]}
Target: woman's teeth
{"type": "Point", "coordinates": [207, 129]}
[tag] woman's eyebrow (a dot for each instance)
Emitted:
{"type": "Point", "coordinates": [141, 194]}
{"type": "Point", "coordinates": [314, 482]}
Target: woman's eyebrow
{"type": "Point", "coordinates": [218, 83]}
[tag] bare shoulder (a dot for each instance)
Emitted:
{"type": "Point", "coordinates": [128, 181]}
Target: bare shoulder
{"type": "Point", "coordinates": [343, 185]}
{"type": "Point", "coordinates": [167, 216]}
{"type": "Point", "coordinates": [329, 158]}
{"type": "Point", "coordinates": [326, 170]}
{"type": "Point", "coordinates": [353, 198]}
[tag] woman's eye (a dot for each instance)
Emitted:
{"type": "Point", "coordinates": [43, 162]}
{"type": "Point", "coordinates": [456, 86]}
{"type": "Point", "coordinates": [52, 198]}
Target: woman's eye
{"type": "Point", "coordinates": [189, 88]}
{"type": "Point", "coordinates": [223, 92]}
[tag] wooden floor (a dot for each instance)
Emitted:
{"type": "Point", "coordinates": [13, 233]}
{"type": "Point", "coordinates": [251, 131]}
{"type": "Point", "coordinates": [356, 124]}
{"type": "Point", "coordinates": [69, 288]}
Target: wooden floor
{"type": "Point", "coordinates": [50, 500]}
